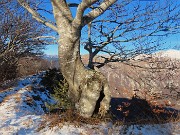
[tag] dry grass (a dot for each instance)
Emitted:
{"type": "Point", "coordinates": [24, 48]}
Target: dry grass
{"type": "Point", "coordinates": [141, 111]}
{"type": "Point", "coordinates": [7, 85]}
{"type": "Point", "coordinates": [16, 96]}
{"type": "Point", "coordinates": [149, 115]}
{"type": "Point", "coordinates": [29, 88]}
{"type": "Point", "coordinates": [69, 116]}
{"type": "Point", "coordinates": [29, 100]}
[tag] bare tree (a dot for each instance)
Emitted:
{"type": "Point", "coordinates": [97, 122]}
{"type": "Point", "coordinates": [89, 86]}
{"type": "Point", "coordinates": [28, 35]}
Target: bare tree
{"type": "Point", "coordinates": [32, 65]}
{"type": "Point", "coordinates": [18, 37]}
{"type": "Point", "coordinates": [86, 86]}
{"type": "Point", "coordinates": [131, 28]}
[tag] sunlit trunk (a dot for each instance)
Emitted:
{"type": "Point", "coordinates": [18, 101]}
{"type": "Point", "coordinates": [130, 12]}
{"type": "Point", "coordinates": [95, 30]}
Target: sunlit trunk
{"type": "Point", "coordinates": [84, 85]}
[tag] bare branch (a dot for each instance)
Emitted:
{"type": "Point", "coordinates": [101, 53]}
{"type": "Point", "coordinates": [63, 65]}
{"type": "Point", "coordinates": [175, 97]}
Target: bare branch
{"type": "Point", "coordinates": [80, 10]}
{"type": "Point", "coordinates": [73, 4]}
{"type": "Point", "coordinates": [125, 25]}
{"type": "Point", "coordinates": [97, 11]}
{"type": "Point", "coordinates": [36, 16]}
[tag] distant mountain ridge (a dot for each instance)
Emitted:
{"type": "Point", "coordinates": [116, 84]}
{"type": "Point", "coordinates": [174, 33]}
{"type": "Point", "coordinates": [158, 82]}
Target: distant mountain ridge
{"type": "Point", "coordinates": [53, 59]}
{"type": "Point", "coordinates": [50, 57]}
{"type": "Point", "coordinates": [173, 54]}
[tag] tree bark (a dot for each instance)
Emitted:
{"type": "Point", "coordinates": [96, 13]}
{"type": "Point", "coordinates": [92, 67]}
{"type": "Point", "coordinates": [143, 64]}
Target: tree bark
{"type": "Point", "coordinates": [85, 85]}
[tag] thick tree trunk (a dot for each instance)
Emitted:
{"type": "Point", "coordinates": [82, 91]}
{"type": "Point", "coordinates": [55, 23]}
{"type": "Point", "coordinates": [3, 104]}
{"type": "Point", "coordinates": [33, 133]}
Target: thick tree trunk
{"type": "Point", "coordinates": [85, 85]}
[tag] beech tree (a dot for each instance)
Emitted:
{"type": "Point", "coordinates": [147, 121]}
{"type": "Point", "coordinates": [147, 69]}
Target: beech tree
{"type": "Point", "coordinates": [87, 88]}
{"type": "Point", "coordinates": [85, 85]}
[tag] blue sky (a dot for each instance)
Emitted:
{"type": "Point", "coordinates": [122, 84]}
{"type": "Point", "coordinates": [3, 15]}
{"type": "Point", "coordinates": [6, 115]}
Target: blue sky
{"type": "Point", "coordinates": [171, 41]}
{"type": "Point", "coordinates": [53, 49]}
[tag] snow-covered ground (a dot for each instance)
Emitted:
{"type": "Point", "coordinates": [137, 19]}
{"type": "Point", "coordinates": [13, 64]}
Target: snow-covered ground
{"type": "Point", "coordinates": [22, 109]}
{"type": "Point", "coordinates": [19, 111]}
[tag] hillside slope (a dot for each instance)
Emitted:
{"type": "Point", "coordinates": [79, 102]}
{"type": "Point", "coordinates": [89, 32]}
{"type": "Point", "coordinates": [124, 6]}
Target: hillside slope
{"type": "Point", "coordinates": [154, 76]}
{"type": "Point", "coordinates": [23, 109]}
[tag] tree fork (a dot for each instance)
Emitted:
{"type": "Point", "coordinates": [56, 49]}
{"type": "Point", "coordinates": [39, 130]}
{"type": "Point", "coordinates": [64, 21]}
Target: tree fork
{"type": "Point", "coordinates": [85, 85]}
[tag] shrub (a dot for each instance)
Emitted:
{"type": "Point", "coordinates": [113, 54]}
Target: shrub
{"type": "Point", "coordinates": [7, 69]}
{"type": "Point", "coordinates": [61, 96]}
{"type": "Point", "coordinates": [51, 79]}
{"type": "Point", "coordinates": [58, 86]}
